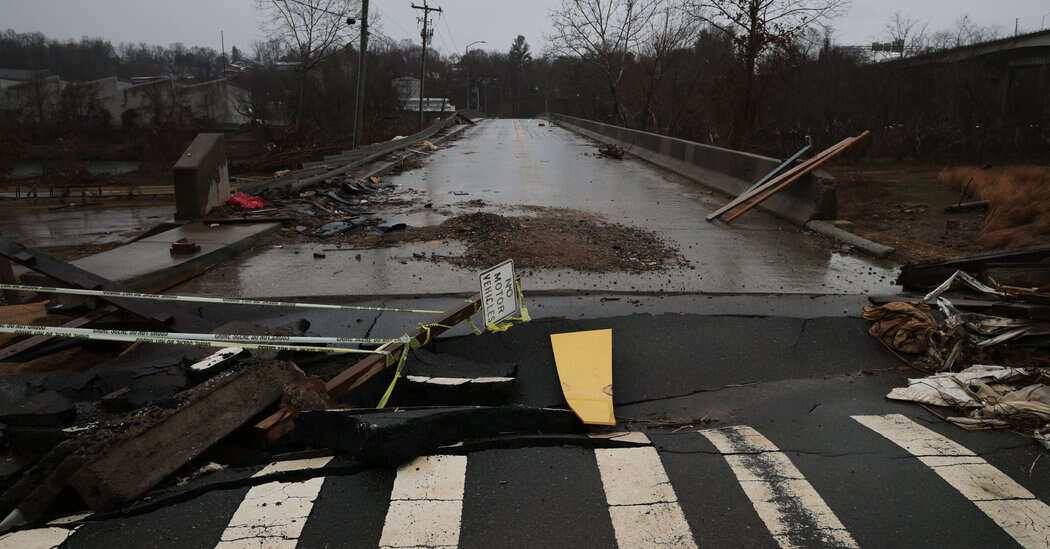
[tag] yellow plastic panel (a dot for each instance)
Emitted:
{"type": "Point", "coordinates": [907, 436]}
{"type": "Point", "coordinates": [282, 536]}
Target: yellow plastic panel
{"type": "Point", "coordinates": [584, 362]}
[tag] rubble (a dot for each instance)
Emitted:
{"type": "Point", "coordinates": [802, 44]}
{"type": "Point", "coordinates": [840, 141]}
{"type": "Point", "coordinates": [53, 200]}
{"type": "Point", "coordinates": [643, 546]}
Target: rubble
{"type": "Point", "coordinates": [548, 238]}
{"type": "Point", "coordinates": [986, 366]}
{"type": "Point", "coordinates": [142, 457]}
{"type": "Point", "coordinates": [611, 150]}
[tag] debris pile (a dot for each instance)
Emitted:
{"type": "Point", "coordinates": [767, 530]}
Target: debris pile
{"type": "Point", "coordinates": [550, 238]}
{"type": "Point", "coordinates": [991, 397]}
{"type": "Point", "coordinates": [985, 343]}
{"type": "Point", "coordinates": [173, 396]}
{"type": "Point", "coordinates": [611, 150]}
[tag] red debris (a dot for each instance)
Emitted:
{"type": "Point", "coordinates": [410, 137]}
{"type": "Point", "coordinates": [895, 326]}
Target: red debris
{"type": "Point", "coordinates": [247, 202]}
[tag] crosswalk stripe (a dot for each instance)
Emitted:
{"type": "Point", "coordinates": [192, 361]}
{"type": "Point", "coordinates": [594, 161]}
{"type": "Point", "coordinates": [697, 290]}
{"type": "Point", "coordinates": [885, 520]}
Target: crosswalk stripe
{"type": "Point", "coordinates": [787, 503]}
{"type": "Point", "coordinates": [642, 503]}
{"type": "Point", "coordinates": [38, 538]}
{"type": "Point", "coordinates": [1010, 505]}
{"type": "Point", "coordinates": [426, 503]}
{"type": "Point", "coordinates": [272, 515]}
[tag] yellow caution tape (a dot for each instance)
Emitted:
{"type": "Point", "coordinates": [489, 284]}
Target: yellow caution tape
{"type": "Point", "coordinates": [504, 326]}
{"type": "Point", "coordinates": [397, 373]}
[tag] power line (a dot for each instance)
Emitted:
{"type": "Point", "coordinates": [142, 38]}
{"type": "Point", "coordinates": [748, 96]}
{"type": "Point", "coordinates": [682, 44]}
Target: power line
{"type": "Point", "coordinates": [408, 34]}
{"type": "Point", "coordinates": [444, 20]}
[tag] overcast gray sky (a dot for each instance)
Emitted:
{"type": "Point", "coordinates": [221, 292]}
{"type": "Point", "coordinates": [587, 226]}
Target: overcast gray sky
{"type": "Point", "coordinates": [198, 22]}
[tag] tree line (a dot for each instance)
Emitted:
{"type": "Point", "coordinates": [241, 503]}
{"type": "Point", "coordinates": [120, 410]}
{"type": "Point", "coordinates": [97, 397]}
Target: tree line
{"type": "Point", "coordinates": [760, 75]}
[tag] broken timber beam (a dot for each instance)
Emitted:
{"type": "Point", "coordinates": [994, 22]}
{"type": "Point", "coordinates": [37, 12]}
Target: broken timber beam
{"type": "Point", "coordinates": [141, 458]}
{"type": "Point", "coordinates": [281, 422]}
{"type": "Point", "coordinates": [72, 275]}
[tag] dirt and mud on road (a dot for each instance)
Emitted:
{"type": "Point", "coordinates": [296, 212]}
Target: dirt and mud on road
{"type": "Point", "coordinates": [535, 237]}
{"type": "Point", "coordinates": [549, 238]}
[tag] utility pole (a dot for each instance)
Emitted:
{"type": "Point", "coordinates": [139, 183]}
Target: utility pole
{"type": "Point", "coordinates": [359, 108]}
{"type": "Point", "coordinates": [222, 41]}
{"type": "Point", "coordinates": [423, 58]}
{"type": "Point", "coordinates": [466, 51]}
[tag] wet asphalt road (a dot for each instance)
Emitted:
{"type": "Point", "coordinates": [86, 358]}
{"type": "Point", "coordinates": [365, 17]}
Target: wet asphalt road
{"type": "Point", "coordinates": [513, 163]}
{"type": "Point", "coordinates": [801, 380]}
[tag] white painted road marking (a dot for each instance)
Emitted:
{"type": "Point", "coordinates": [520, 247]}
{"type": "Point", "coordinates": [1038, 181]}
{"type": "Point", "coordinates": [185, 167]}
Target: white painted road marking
{"type": "Point", "coordinates": [273, 515]}
{"type": "Point", "coordinates": [426, 503]}
{"type": "Point", "coordinates": [1010, 505]}
{"type": "Point", "coordinates": [39, 538]}
{"type": "Point", "coordinates": [293, 465]}
{"type": "Point", "coordinates": [642, 504]}
{"type": "Point", "coordinates": [787, 503]}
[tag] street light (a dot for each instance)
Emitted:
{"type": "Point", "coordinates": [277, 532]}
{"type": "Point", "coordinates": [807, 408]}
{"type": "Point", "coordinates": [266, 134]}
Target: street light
{"type": "Point", "coordinates": [466, 50]}
{"type": "Point", "coordinates": [1042, 24]}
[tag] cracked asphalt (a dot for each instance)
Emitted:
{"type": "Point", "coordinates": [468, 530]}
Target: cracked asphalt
{"type": "Point", "coordinates": [787, 386]}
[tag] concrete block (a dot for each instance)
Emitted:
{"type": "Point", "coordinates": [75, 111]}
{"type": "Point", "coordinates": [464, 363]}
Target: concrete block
{"type": "Point", "coordinates": [141, 458]}
{"type": "Point", "coordinates": [148, 261]}
{"type": "Point", "coordinates": [202, 177]}
{"type": "Point", "coordinates": [859, 242]}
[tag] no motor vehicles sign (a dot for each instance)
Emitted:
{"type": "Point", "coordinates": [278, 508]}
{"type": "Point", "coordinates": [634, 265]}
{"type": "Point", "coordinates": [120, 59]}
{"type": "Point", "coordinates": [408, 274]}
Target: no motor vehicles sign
{"type": "Point", "coordinates": [499, 300]}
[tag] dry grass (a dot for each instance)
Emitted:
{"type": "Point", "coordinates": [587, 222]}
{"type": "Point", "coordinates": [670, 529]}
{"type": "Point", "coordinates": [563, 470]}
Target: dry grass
{"type": "Point", "coordinates": [1019, 203]}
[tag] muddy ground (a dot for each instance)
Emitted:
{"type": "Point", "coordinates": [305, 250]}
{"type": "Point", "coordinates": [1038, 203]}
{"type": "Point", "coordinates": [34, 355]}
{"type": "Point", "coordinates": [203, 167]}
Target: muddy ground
{"type": "Point", "coordinates": [548, 238]}
{"type": "Point", "coordinates": [903, 206]}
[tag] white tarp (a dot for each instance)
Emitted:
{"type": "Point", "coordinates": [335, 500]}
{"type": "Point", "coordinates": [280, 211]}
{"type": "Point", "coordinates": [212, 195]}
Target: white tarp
{"type": "Point", "coordinates": [951, 388]}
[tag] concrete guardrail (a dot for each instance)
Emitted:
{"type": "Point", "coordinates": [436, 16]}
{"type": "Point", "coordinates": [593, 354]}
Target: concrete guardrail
{"type": "Point", "coordinates": [727, 170]}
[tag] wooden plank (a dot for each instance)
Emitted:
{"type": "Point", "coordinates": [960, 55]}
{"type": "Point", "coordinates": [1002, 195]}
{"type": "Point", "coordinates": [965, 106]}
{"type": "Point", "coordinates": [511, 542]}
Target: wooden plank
{"type": "Point", "coordinates": [792, 179]}
{"type": "Point", "coordinates": [67, 273]}
{"type": "Point", "coordinates": [280, 422]}
{"type": "Point", "coordinates": [744, 197]}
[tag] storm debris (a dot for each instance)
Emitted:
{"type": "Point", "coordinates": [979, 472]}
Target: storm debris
{"type": "Point", "coordinates": [989, 367]}
{"type": "Point", "coordinates": [611, 150]}
{"type": "Point", "coordinates": [551, 239]}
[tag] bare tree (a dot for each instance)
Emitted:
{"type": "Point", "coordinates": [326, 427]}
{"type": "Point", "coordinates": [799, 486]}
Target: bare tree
{"type": "Point", "coordinates": [268, 52]}
{"type": "Point", "coordinates": [756, 26]}
{"type": "Point", "coordinates": [602, 33]}
{"type": "Point", "coordinates": [908, 33]}
{"type": "Point", "coordinates": [312, 30]}
{"type": "Point", "coordinates": [670, 29]}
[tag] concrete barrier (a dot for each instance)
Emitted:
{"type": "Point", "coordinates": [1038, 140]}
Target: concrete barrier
{"type": "Point", "coordinates": [729, 171]}
{"type": "Point", "coordinates": [202, 177]}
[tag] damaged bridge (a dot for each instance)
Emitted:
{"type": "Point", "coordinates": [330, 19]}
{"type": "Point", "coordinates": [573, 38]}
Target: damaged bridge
{"type": "Point", "coordinates": [317, 362]}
